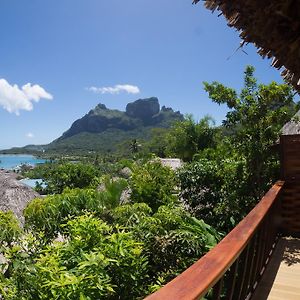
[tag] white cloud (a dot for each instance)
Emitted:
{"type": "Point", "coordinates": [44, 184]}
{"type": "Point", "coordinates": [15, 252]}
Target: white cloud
{"type": "Point", "coordinates": [30, 135]}
{"type": "Point", "coordinates": [13, 99]}
{"type": "Point", "coordinates": [117, 89]}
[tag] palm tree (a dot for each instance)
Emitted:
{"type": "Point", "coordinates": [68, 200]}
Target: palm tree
{"type": "Point", "coordinates": [134, 146]}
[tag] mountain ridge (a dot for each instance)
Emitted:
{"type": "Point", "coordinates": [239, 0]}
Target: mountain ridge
{"type": "Point", "coordinates": [142, 112]}
{"type": "Point", "coordinates": [104, 130]}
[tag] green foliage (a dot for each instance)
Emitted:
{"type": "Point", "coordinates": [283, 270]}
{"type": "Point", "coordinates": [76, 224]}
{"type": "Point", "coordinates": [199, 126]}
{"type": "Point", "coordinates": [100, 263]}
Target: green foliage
{"type": "Point", "coordinates": [216, 191]}
{"type": "Point", "coordinates": [177, 241]}
{"type": "Point", "coordinates": [188, 137]}
{"type": "Point", "coordinates": [227, 180]}
{"type": "Point", "coordinates": [10, 229]}
{"type": "Point", "coordinates": [94, 261]}
{"type": "Point", "coordinates": [135, 254]}
{"type": "Point", "coordinates": [171, 237]}
{"type": "Point", "coordinates": [70, 175]}
{"type": "Point", "coordinates": [158, 143]}
{"type": "Point", "coordinates": [40, 171]}
{"type": "Point", "coordinates": [16, 273]}
{"type": "Point", "coordinates": [48, 214]}
{"type": "Point", "coordinates": [130, 215]}
{"type": "Point", "coordinates": [152, 184]}
{"type": "Point", "coordinates": [255, 119]}
{"type": "Point", "coordinates": [107, 142]}
{"type": "Point", "coordinates": [201, 187]}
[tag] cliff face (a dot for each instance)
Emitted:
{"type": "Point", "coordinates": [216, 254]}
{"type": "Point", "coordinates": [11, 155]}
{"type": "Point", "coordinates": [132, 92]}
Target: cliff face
{"type": "Point", "coordinates": [143, 109]}
{"type": "Point", "coordinates": [100, 119]}
{"type": "Point", "coordinates": [142, 112]}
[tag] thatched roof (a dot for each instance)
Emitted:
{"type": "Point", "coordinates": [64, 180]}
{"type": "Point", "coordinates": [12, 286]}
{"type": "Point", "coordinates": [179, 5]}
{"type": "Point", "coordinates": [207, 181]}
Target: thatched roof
{"type": "Point", "coordinates": [14, 195]}
{"type": "Point", "coordinates": [272, 25]}
{"type": "Point", "coordinates": [173, 163]}
{"type": "Point", "coordinates": [293, 126]}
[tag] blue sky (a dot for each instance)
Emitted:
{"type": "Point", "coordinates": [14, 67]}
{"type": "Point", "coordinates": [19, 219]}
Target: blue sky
{"type": "Point", "coordinates": [163, 48]}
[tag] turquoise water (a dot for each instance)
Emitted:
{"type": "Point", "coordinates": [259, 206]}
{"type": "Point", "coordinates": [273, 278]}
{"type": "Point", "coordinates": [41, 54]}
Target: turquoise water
{"type": "Point", "coordinates": [32, 182]}
{"type": "Point", "coordinates": [12, 161]}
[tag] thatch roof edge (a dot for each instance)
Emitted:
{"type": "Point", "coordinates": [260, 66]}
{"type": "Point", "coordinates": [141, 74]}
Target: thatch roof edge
{"type": "Point", "coordinates": [272, 26]}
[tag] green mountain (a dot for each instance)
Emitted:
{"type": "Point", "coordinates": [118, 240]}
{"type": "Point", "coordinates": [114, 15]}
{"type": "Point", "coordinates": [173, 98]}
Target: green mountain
{"type": "Point", "coordinates": [103, 129]}
{"type": "Point", "coordinates": [107, 130]}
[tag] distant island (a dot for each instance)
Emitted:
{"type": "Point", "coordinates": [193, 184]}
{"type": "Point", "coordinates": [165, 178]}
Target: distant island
{"type": "Point", "coordinates": [104, 130]}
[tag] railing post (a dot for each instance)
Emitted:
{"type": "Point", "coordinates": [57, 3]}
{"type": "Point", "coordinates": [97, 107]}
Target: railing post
{"type": "Point", "coordinates": [290, 173]}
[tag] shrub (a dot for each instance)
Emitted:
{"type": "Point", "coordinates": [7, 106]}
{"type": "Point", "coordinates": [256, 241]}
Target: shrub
{"type": "Point", "coordinates": [152, 184]}
{"type": "Point", "coordinates": [10, 229]}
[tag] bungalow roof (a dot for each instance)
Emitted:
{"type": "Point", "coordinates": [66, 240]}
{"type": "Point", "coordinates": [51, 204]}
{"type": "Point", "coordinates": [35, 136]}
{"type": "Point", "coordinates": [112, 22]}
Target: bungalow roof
{"type": "Point", "coordinates": [272, 26]}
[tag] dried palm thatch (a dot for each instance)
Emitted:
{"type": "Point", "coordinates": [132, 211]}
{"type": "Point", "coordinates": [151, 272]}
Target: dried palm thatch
{"type": "Point", "coordinates": [14, 195]}
{"type": "Point", "coordinates": [273, 26]}
{"type": "Point", "coordinates": [293, 126]}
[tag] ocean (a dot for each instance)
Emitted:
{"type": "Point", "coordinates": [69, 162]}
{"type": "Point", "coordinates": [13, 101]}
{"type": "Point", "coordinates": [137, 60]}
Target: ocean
{"type": "Point", "coordinates": [9, 162]}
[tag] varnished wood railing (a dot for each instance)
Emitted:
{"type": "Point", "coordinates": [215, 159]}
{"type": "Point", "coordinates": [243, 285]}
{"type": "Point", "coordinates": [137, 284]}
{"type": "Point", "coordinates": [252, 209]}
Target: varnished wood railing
{"type": "Point", "coordinates": [232, 269]}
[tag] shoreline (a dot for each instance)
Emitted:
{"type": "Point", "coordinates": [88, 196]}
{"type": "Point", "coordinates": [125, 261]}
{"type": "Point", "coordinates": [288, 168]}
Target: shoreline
{"type": "Point", "coordinates": [16, 161]}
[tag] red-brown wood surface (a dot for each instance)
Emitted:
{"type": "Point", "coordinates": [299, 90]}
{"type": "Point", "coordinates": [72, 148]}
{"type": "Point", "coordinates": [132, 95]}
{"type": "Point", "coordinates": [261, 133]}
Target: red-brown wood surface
{"type": "Point", "coordinates": [290, 173]}
{"type": "Point", "coordinates": [194, 282]}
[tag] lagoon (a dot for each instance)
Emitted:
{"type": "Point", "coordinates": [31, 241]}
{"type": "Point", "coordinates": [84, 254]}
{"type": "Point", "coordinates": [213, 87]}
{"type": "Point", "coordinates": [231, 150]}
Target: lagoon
{"type": "Point", "coordinates": [32, 182]}
{"type": "Point", "coordinates": [10, 162]}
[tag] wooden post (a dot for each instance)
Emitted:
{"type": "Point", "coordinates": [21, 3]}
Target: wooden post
{"type": "Point", "coordinates": [290, 173]}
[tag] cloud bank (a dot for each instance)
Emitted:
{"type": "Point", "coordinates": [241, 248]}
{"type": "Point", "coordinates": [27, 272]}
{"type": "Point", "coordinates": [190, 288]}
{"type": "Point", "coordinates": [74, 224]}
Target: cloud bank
{"type": "Point", "coordinates": [30, 135]}
{"type": "Point", "coordinates": [13, 99]}
{"type": "Point", "coordinates": [117, 89]}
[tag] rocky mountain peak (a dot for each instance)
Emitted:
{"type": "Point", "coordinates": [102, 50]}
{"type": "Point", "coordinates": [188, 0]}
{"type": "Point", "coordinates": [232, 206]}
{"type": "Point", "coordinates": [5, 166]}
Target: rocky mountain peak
{"type": "Point", "coordinates": [143, 108]}
{"type": "Point", "coordinates": [139, 113]}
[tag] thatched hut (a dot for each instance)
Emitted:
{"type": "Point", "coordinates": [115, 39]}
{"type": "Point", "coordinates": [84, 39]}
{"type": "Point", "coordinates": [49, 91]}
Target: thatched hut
{"type": "Point", "coordinates": [293, 126]}
{"type": "Point", "coordinates": [272, 26]}
{"type": "Point", "coordinates": [173, 163]}
{"type": "Point", "coordinates": [14, 195]}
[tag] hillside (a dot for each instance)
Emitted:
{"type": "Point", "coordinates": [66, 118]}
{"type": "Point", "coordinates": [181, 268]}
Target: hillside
{"type": "Point", "coordinates": [103, 129]}
{"type": "Point", "coordinates": [106, 130]}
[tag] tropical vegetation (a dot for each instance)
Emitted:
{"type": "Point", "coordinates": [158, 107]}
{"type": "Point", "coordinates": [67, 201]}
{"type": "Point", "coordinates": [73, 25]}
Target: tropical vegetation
{"type": "Point", "coordinates": [121, 226]}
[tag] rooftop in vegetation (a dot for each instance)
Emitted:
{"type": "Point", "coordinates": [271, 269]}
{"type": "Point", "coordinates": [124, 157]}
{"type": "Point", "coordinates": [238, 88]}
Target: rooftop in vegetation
{"type": "Point", "coordinates": [173, 163]}
{"type": "Point", "coordinates": [293, 126]}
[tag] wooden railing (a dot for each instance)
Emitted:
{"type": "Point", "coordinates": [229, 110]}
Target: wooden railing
{"type": "Point", "coordinates": [232, 269]}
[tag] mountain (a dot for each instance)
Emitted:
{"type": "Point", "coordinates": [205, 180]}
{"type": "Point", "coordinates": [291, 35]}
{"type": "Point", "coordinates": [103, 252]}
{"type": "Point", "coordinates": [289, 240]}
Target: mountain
{"type": "Point", "coordinates": [108, 130]}
{"type": "Point", "coordinates": [104, 129]}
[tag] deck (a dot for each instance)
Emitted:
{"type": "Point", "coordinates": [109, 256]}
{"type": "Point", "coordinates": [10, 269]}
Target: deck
{"type": "Point", "coordinates": [281, 278]}
{"type": "Point", "coordinates": [249, 263]}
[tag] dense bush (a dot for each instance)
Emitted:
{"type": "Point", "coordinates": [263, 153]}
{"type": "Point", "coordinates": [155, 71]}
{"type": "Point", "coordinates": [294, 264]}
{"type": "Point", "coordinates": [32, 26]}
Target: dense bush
{"type": "Point", "coordinates": [71, 175]}
{"type": "Point", "coordinates": [187, 138]}
{"type": "Point", "coordinates": [49, 213]}
{"type": "Point", "coordinates": [172, 238]}
{"type": "Point", "coordinates": [9, 228]}
{"type": "Point", "coordinates": [58, 176]}
{"type": "Point", "coordinates": [129, 255]}
{"type": "Point", "coordinates": [216, 191]}
{"type": "Point", "coordinates": [153, 184]}
{"type": "Point", "coordinates": [95, 261]}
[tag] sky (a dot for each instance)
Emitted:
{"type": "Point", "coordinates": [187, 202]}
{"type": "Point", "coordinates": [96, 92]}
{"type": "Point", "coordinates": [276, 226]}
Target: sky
{"type": "Point", "coordinates": [60, 58]}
